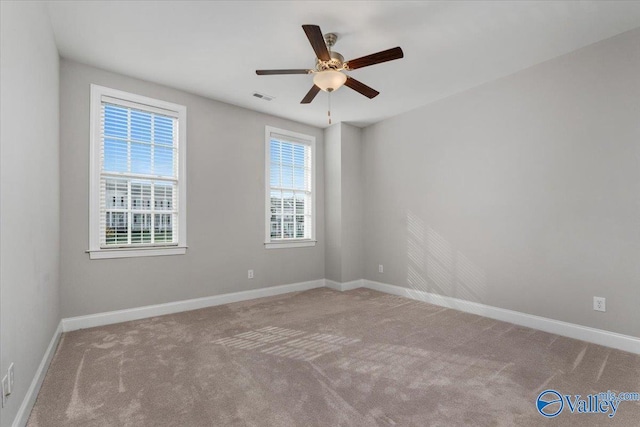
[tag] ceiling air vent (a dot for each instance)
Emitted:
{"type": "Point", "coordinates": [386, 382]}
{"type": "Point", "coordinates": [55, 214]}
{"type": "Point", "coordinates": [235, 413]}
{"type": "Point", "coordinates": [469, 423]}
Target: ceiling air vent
{"type": "Point", "coordinates": [263, 96]}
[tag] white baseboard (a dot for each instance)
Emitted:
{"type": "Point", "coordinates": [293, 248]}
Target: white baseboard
{"type": "Point", "coordinates": [108, 318]}
{"type": "Point", "coordinates": [32, 393]}
{"type": "Point", "coordinates": [571, 330]}
{"type": "Point", "coordinates": [333, 284]}
{"type": "Point", "coordinates": [346, 286]}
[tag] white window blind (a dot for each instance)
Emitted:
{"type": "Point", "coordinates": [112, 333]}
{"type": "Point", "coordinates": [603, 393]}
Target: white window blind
{"type": "Point", "coordinates": [290, 205]}
{"type": "Point", "coordinates": [138, 177]}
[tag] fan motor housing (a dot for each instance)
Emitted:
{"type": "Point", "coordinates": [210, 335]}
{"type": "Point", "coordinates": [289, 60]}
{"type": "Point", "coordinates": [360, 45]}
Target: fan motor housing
{"type": "Point", "coordinates": [335, 63]}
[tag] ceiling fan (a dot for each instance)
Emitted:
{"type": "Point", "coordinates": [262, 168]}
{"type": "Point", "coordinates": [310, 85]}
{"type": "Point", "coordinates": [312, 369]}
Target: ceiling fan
{"type": "Point", "coordinates": [330, 65]}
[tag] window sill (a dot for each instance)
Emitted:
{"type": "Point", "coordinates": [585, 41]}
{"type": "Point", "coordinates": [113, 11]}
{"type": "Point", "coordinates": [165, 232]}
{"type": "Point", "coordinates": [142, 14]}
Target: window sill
{"type": "Point", "coordinates": [136, 252]}
{"type": "Point", "coordinates": [290, 244]}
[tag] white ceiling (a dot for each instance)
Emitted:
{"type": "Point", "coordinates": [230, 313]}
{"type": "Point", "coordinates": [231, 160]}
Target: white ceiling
{"type": "Point", "coordinates": [214, 48]}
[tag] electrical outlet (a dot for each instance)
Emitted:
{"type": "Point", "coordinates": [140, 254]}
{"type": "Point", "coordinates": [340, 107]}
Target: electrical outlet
{"type": "Point", "coordinates": [599, 304]}
{"type": "Point", "coordinates": [380, 268]}
{"type": "Point", "coordinates": [10, 374]}
{"type": "Point", "coordinates": [5, 390]}
{"type": "Point", "coordinates": [250, 274]}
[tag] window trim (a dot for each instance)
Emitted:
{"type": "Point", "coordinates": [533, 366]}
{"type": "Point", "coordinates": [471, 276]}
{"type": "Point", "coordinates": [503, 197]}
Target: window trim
{"type": "Point", "coordinates": [288, 243]}
{"type": "Point", "coordinates": [95, 251]}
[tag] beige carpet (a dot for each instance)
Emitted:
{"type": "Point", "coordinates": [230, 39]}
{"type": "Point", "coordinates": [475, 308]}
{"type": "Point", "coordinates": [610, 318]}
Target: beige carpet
{"type": "Point", "coordinates": [325, 358]}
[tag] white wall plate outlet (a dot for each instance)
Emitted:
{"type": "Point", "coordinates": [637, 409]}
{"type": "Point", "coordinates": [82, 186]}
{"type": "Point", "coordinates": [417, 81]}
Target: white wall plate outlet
{"type": "Point", "coordinates": [599, 304]}
{"type": "Point", "coordinates": [380, 268]}
{"type": "Point", "coordinates": [250, 274]}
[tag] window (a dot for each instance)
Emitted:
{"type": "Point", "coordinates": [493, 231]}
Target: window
{"type": "Point", "coordinates": [290, 189]}
{"type": "Point", "coordinates": [138, 186]}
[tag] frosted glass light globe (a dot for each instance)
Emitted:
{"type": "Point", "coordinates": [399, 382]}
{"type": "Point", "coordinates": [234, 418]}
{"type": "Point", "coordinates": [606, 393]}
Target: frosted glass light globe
{"type": "Point", "coordinates": [329, 80]}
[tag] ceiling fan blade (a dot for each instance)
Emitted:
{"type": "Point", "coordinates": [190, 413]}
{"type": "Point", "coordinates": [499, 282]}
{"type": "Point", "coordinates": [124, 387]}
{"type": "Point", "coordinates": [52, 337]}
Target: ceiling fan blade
{"type": "Point", "coordinates": [314, 34]}
{"type": "Point", "coordinates": [361, 88]}
{"type": "Point", "coordinates": [310, 95]}
{"type": "Point", "coordinates": [274, 72]}
{"type": "Point", "coordinates": [375, 58]}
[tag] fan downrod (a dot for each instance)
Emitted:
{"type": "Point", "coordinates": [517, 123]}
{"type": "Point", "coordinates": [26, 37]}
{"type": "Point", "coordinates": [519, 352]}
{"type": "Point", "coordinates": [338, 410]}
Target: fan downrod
{"type": "Point", "coordinates": [330, 39]}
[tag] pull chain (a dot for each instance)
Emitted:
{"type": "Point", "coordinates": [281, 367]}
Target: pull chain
{"type": "Point", "coordinates": [329, 97]}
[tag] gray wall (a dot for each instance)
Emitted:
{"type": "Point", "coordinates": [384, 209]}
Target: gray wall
{"type": "Point", "coordinates": [333, 202]}
{"type": "Point", "coordinates": [523, 193]}
{"type": "Point", "coordinates": [29, 193]}
{"type": "Point", "coordinates": [343, 202]}
{"type": "Point", "coordinates": [225, 190]}
{"type": "Point", "coordinates": [351, 194]}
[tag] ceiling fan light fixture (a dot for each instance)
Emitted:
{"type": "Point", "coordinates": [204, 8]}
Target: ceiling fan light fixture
{"type": "Point", "coordinates": [328, 72]}
{"type": "Point", "coordinates": [329, 80]}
